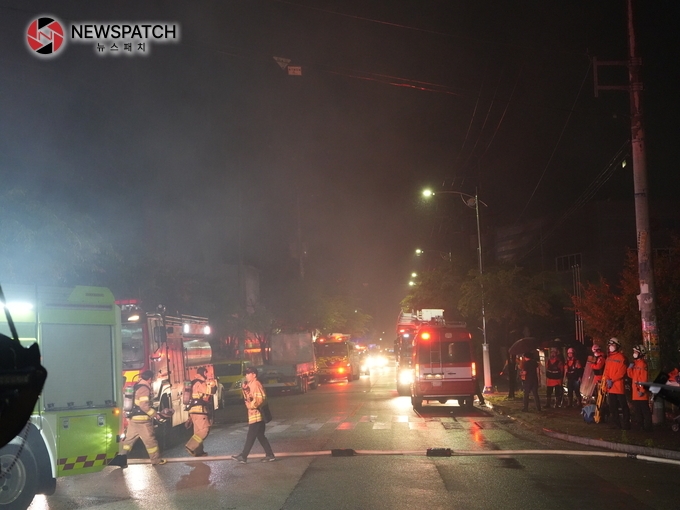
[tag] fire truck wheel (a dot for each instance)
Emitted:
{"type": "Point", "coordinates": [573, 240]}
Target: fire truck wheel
{"type": "Point", "coordinates": [19, 486]}
{"type": "Point", "coordinates": [417, 403]}
{"type": "Point", "coordinates": [469, 402]}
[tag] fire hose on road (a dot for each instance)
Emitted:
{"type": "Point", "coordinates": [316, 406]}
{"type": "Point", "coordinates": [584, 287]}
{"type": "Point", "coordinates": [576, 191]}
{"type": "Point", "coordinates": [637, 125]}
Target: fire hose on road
{"type": "Point", "coordinates": [430, 452]}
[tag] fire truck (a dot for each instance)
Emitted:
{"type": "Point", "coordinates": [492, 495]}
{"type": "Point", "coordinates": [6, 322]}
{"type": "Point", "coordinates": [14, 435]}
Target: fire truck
{"type": "Point", "coordinates": [407, 325]}
{"type": "Point", "coordinates": [173, 348]}
{"type": "Point", "coordinates": [75, 427]}
{"type": "Point", "coordinates": [337, 358]}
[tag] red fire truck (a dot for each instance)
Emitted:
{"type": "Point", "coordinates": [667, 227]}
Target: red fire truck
{"type": "Point", "coordinates": [173, 348]}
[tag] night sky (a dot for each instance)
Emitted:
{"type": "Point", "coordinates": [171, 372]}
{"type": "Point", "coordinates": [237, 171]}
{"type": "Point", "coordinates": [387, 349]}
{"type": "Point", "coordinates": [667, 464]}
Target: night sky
{"type": "Point", "coordinates": [171, 152]}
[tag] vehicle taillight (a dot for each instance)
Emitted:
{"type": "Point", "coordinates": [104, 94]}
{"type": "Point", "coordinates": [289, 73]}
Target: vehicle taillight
{"type": "Point", "coordinates": [425, 335]}
{"type": "Point", "coordinates": [474, 369]}
{"type": "Point", "coordinates": [341, 370]}
{"type": "Point", "coordinates": [417, 371]}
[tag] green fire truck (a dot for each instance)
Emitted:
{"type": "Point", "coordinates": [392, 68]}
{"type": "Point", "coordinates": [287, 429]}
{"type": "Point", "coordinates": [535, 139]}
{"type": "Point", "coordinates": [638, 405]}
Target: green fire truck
{"type": "Point", "coordinates": [76, 425]}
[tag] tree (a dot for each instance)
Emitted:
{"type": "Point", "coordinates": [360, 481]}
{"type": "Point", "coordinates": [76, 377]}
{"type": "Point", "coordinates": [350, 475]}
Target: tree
{"type": "Point", "coordinates": [307, 305]}
{"type": "Point", "coordinates": [513, 300]}
{"type": "Point", "coordinates": [437, 288]}
{"type": "Point", "coordinates": [613, 312]}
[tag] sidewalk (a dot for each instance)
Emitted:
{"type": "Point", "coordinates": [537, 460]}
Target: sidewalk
{"type": "Point", "coordinates": [567, 424]}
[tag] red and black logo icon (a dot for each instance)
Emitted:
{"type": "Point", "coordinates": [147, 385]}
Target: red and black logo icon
{"type": "Point", "coordinates": [45, 36]}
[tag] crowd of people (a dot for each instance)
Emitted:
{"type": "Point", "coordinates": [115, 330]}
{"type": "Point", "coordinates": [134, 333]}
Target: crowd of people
{"type": "Point", "coordinates": [613, 376]}
{"type": "Point", "coordinates": [141, 416]}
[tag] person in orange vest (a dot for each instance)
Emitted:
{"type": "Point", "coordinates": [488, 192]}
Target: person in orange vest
{"type": "Point", "coordinates": [615, 369]}
{"type": "Point", "coordinates": [574, 371]}
{"type": "Point", "coordinates": [554, 376]}
{"type": "Point", "coordinates": [140, 425]}
{"type": "Point", "coordinates": [597, 360]}
{"type": "Point", "coordinates": [637, 371]}
{"type": "Point", "coordinates": [202, 391]}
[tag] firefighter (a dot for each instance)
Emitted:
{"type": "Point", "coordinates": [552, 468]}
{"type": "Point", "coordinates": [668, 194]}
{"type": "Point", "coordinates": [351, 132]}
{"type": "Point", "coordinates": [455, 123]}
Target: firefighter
{"type": "Point", "coordinates": [637, 371]}
{"type": "Point", "coordinates": [554, 375]}
{"type": "Point", "coordinates": [200, 411]}
{"type": "Point", "coordinates": [574, 371]}
{"type": "Point", "coordinates": [140, 420]}
{"type": "Point", "coordinates": [615, 368]}
{"type": "Point", "coordinates": [598, 365]}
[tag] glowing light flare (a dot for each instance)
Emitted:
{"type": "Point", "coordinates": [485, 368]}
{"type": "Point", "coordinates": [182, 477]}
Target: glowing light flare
{"type": "Point", "coordinates": [17, 306]}
{"type": "Point", "coordinates": [186, 329]}
{"type": "Point", "coordinates": [206, 330]}
{"type": "Point", "coordinates": [474, 369]}
{"type": "Point", "coordinates": [425, 335]}
{"type": "Point", "coordinates": [133, 318]}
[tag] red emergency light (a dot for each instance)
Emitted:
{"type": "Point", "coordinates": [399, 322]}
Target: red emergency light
{"type": "Point", "coordinates": [121, 302]}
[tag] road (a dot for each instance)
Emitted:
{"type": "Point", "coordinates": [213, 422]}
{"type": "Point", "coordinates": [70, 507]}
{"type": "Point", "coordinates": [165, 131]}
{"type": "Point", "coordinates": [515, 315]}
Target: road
{"type": "Point", "coordinates": [390, 470]}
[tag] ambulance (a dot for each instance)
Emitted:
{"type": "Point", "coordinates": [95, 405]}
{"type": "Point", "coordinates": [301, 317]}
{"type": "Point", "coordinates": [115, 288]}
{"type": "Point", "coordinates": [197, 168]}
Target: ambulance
{"type": "Point", "coordinates": [444, 365]}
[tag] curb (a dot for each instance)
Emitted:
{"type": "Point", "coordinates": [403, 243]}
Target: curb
{"type": "Point", "coordinates": [597, 443]}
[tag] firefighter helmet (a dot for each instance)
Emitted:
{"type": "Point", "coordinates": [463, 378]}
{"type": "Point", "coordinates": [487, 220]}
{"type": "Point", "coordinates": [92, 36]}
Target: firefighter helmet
{"type": "Point", "coordinates": [640, 349]}
{"type": "Point", "coordinates": [614, 341]}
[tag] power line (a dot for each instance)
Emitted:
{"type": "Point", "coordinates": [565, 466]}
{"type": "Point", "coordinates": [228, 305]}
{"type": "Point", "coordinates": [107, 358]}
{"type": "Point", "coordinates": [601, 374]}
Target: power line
{"type": "Point", "coordinates": [557, 143]}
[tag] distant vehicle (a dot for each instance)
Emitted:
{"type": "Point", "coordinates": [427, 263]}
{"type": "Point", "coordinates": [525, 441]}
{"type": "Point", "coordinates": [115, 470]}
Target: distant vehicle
{"type": "Point", "coordinates": [292, 363]}
{"type": "Point", "coordinates": [229, 373]}
{"type": "Point", "coordinates": [444, 366]}
{"type": "Point", "coordinates": [337, 358]}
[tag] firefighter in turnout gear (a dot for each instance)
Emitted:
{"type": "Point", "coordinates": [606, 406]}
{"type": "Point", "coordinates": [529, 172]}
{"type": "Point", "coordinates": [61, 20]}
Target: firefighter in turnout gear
{"type": "Point", "coordinates": [637, 371]}
{"type": "Point", "coordinates": [614, 371]}
{"type": "Point", "coordinates": [598, 361]}
{"type": "Point", "coordinates": [554, 375]}
{"type": "Point", "coordinates": [574, 371]}
{"type": "Point", "coordinates": [140, 420]}
{"type": "Point", "coordinates": [200, 411]}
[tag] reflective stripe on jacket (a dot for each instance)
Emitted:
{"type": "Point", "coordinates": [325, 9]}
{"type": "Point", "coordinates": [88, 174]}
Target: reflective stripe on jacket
{"type": "Point", "coordinates": [638, 373]}
{"type": "Point", "coordinates": [143, 411]}
{"type": "Point", "coordinates": [615, 370]}
{"type": "Point", "coordinates": [254, 396]}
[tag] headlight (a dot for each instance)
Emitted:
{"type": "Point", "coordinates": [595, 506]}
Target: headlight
{"type": "Point", "coordinates": [406, 376]}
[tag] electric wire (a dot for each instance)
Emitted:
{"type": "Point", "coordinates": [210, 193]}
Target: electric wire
{"type": "Point", "coordinates": [557, 143]}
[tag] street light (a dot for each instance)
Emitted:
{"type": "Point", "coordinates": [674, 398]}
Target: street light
{"type": "Point", "coordinates": [473, 202]}
{"type": "Point", "coordinates": [443, 254]}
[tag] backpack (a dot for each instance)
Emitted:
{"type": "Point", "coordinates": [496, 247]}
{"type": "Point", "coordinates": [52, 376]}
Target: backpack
{"type": "Point", "coordinates": [588, 413]}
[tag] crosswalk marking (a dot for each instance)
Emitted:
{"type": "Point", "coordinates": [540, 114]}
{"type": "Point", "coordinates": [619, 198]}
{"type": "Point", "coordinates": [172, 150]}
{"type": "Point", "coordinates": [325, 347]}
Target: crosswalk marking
{"type": "Point", "coordinates": [375, 422]}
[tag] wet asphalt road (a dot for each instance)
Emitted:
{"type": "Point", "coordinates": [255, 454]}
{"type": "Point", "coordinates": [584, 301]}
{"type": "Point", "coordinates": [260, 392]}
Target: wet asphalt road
{"type": "Point", "coordinates": [391, 470]}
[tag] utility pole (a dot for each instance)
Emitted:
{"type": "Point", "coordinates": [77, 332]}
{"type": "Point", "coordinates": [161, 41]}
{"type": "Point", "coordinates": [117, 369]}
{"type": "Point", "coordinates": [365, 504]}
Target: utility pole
{"type": "Point", "coordinates": [647, 296]}
{"type": "Point", "coordinates": [485, 346]}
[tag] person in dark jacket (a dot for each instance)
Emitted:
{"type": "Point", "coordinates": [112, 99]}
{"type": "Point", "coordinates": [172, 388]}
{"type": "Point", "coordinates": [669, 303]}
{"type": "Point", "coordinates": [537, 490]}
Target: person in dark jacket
{"type": "Point", "coordinates": [530, 375]}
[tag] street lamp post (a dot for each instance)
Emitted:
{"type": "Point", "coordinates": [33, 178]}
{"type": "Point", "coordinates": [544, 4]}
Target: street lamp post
{"type": "Point", "coordinates": [473, 201]}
